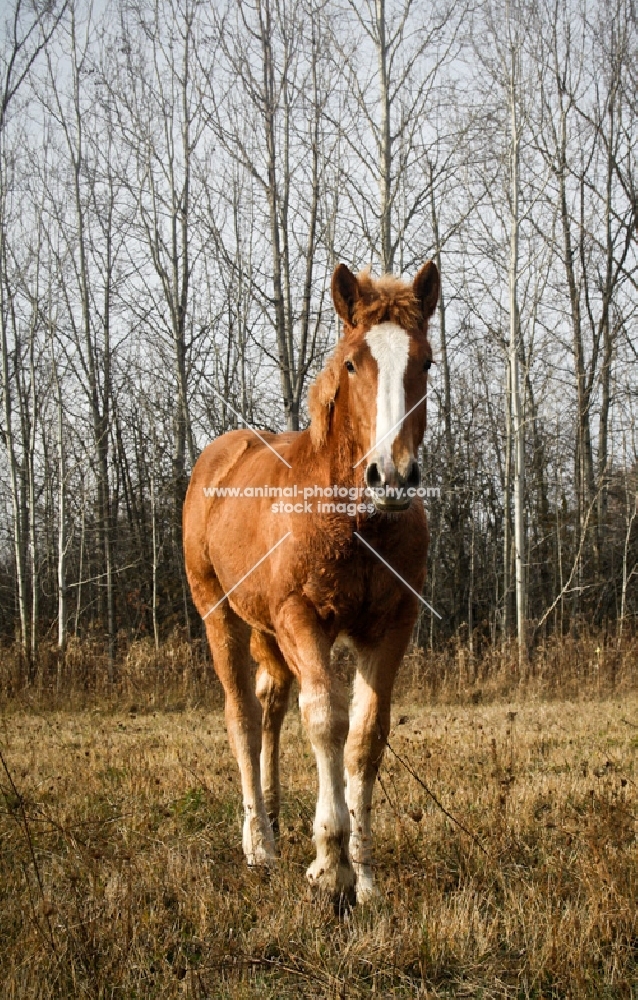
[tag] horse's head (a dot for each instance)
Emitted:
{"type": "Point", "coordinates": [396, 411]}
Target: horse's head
{"type": "Point", "coordinates": [375, 382]}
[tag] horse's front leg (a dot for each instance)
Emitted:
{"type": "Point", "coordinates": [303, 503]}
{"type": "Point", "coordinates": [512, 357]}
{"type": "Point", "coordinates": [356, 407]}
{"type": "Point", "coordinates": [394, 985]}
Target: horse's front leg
{"type": "Point", "coordinates": [324, 710]}
{"type": "Point", "coordinates": [369, 729]}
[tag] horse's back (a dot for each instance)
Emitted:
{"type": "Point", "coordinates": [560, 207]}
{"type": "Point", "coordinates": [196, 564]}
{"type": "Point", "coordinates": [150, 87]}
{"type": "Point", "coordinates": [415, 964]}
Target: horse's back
{"type": "Point", "coordinates": [219, 458]}
{"type": "Point", "coordinates": [233, 460]}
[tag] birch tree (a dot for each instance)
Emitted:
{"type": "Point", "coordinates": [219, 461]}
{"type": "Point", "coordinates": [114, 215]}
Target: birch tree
{"type": "Point", "coordinates": [514, 84]}
{"type": "Point", "coordinates": [85, 253]}
{"type": "Point", "coordinates": [505, 110]}
{"type": "Point", "coordinates": [268, 116]}
{"type": "Point", "coordinates": [582, 135]}
{"type": "Point", "coordinates": [392, 67]}
{"type": "Point", "coordinates": [26, 33]}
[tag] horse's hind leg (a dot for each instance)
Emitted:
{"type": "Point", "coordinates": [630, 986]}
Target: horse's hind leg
{"type": "Point", "coordinates": [273, 686]}
{"type": "Point", "coordinates": [229, 639]}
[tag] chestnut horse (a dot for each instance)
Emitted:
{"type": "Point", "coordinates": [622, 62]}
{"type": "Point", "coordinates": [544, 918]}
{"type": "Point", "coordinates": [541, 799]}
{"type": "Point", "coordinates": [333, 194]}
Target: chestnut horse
{"type": "Point", "coordinates": [278, 581]}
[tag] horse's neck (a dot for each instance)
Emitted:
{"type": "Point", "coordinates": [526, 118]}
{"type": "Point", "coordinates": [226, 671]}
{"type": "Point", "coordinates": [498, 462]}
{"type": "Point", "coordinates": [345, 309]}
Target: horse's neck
{"type": "Point", "coordinates": [337, 461]}
{"type": "Point", "coordinates": [342, 460]}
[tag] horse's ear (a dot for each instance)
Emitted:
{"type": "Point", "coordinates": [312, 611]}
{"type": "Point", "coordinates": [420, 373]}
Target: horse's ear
{"type": "Point", "coordinates": [345, 292]}
{"type": "Point", "coordinates": [321, 397]}
{"type": "Point", "coordinates": [426, 288]}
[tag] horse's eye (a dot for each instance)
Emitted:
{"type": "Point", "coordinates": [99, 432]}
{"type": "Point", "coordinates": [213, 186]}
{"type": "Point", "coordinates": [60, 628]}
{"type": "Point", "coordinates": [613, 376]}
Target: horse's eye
{"type": "Point", "coordinates": [427, 365]}
{"type": "Point", "coordinates": [350, 367]}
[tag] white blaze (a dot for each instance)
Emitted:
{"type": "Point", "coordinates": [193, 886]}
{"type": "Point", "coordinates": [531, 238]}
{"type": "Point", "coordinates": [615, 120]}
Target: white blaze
{"type": "Point", "coordinates": [389, 345]}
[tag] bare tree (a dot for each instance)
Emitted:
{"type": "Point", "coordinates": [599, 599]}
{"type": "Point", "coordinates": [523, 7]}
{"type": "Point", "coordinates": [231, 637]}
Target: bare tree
{"type": "Point", "coordinates": [27, 32]}
{"type": "Point", "coordinates": [269, 118]}
{"type": "Point", "coordinates": [514, 84]}
{"type": "Point", "coordinates": [388, 126]}
{"type": "Point", "coordinates": [178, 180]}
{"type": "Point", "coordinates": [582, 137]}
{"type": "Point", "coordinates": [504, 63]}
{"type": "Point", "coordinates": [84, 250]}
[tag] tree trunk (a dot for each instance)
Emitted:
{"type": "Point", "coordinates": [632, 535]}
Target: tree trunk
{"type": "Point", "coordinates": [14, 471]}
{"type": "Point", "coordinates": [286, 362]}
{"type": "Point", "coordinates": [62, 541]}
{"type": "Point", "coordinates": [30, 472]}
{"type": "Point", "coordinates": [514, 350]}
{"type": "Point", "coordinates": [385, 150]}
{"type": "Point", "coordinates": [507, 506]}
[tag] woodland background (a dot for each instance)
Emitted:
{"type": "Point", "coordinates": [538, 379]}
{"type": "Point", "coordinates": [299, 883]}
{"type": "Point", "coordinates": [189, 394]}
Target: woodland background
{"type": "Point", "coordinates": [178, 180]}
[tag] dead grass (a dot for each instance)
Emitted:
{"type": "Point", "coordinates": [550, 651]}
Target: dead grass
{"type": "Point", "coordinates": [121, 871]}
{"type": "Point", "coordinates": [590, 663]}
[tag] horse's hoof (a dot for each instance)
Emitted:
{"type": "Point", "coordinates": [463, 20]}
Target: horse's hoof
{"type": "Point", "coordinates": [258, 842]}
{"type": "Point", "coordinates": [261, 855]}
{"type": "Point", "coordinates": [261, 861]}
{"type": "Point", "coordinates": [344, 902]}
{"type": "Point", "coordinates": [336, 884]}
{"type": "Point", "coordinates": [366, 889]}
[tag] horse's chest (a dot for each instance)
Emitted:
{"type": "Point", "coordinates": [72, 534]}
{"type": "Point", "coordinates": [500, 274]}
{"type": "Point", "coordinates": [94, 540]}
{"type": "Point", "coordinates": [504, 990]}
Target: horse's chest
{"type": "Point", "coordinates": [337, 591]}
{"type": "Point", "coordinates": [354, 589]}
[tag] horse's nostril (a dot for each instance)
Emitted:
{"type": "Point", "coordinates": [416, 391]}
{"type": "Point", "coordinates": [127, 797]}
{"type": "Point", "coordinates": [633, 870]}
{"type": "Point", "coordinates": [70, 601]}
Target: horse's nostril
{"type": "Point", "coordinates": [414, 474]}
{"type": "Point", "coordinates": [373, 477]}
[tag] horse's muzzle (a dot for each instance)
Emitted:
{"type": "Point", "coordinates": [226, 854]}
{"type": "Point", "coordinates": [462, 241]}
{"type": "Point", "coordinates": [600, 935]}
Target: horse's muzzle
{"type": "Point", "coordinates": [389, 487]}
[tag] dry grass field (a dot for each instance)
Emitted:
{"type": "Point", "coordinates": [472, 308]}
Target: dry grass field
{"type": "Point", "coordinates": [121, 871]}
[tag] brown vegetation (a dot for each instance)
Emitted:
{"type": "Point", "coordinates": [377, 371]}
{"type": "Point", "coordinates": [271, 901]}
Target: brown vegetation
{"type": "Point", "coordinates": [121, 868]}
{"type": "Point", "coordinates": [589, 663]}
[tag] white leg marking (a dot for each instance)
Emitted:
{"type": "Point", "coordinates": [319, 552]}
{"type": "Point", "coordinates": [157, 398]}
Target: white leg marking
{"type": "Point", "coordinates": [327, 725]}
{"type": "Point", "coordinates": [359, 792]}
{"type": "Point", "coordinates": [257, 838]}
{"type": "Point", "coordinates": [364, 750]}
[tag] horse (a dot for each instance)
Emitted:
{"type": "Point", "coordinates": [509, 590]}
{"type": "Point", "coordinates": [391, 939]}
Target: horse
{"type": "Point", "coordinates": [293, 539]}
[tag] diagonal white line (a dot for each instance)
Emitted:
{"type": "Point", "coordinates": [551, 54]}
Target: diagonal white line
{"type": "Point", "coordinates": [251, 570]}
{"type": "Point", "coordinates": [387, 434]}
{"type": "Point", "coordinates": [398, 576]}
{"type": "Point", "coordinates": [249, 426]}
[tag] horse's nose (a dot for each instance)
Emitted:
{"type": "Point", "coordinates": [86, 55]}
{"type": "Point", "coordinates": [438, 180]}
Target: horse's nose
{"type": "Point", "coordinates": [389, 475]}
{"type": "Point", "coordinates": [373, 476]}
{"type": "Point", "coordinates": [413, 476]}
